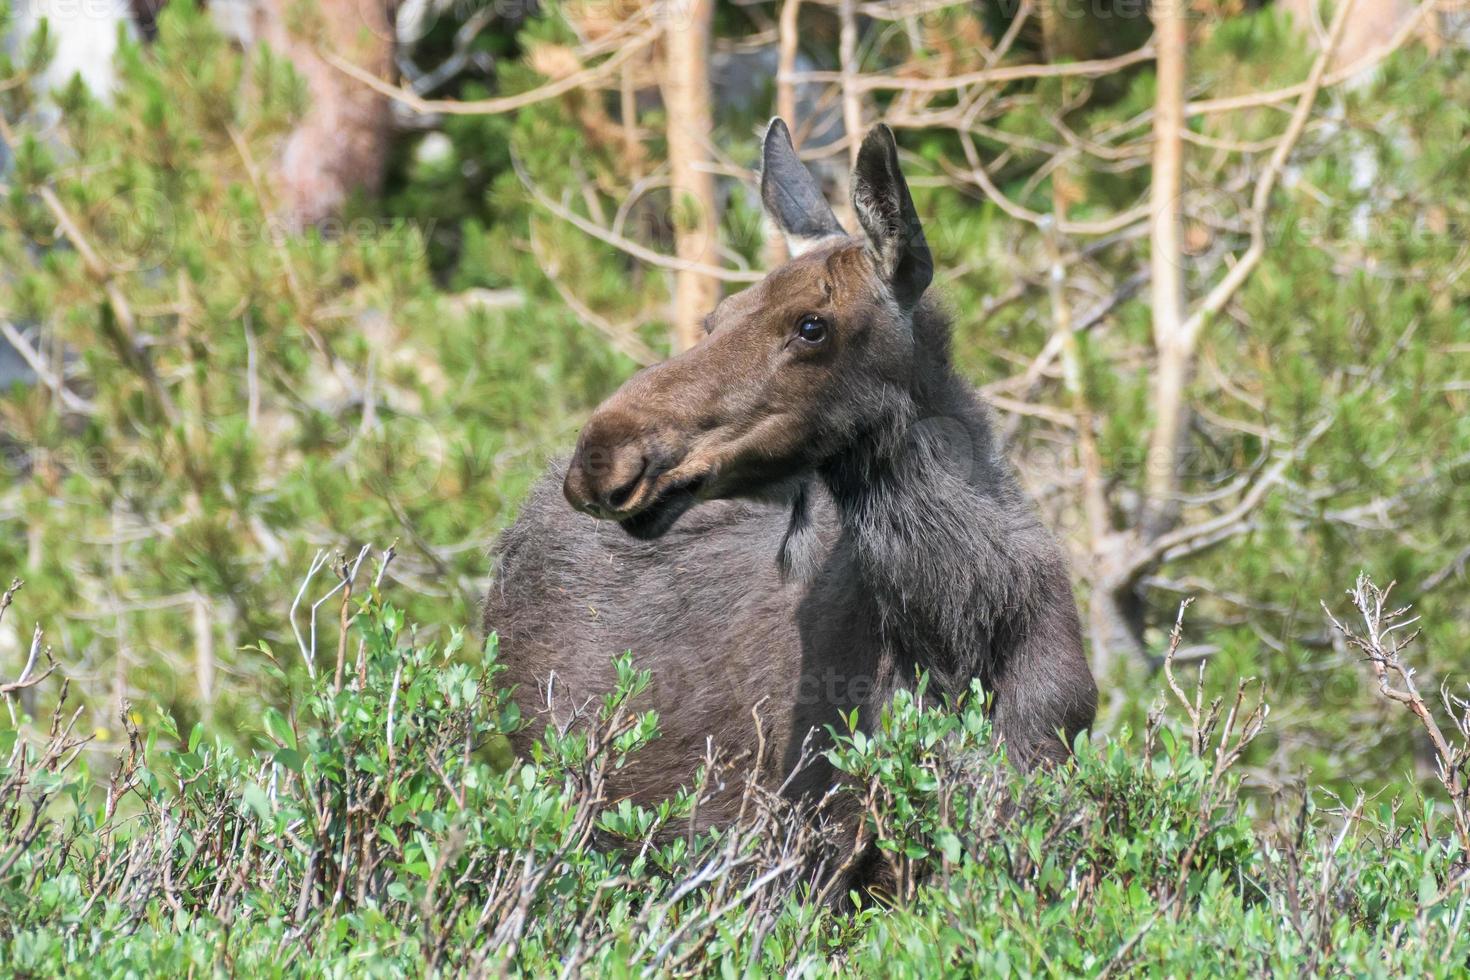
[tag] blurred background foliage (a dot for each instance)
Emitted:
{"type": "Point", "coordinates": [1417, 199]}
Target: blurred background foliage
{"type": "Point", "coordinates": [230, 393]}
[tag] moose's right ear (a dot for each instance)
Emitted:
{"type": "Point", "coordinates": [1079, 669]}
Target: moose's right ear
{"type": "Point", "coordinates": [880, 196]}
{"type": "Point", "coordinates": [792, 197]}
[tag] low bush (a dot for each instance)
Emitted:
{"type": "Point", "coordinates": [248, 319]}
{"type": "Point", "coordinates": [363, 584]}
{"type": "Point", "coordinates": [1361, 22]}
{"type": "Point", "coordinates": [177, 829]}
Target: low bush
{"type": "Point", "coordinates": [381, 825]}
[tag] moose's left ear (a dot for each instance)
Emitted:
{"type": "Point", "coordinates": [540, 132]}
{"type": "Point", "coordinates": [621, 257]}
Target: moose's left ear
{"type": "Point", "coordinates": [880, 198]}
{"type": "Point", "coordinates": [791, 195]}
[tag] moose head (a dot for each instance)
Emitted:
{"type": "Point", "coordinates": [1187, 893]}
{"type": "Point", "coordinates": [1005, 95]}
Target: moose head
{"type": "Point", "coordinates": [793, 372]}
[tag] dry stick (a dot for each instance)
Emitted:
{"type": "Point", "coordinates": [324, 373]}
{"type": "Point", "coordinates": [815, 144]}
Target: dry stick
{"type": "Point", "coordinates": [1013, 406]}
{"type": "Point", "coordinates": [36, 363]}
{"type": "Point", "coordinates": [984, 76]}
{"type": "Point", "coordinates": [625, 244]}
{"type": "Point", "coordinates": [388, 556]}
{"type": "Point", "coordinates": [887, 11]}
{"type": "Point", "coordinates": [902, 115]}
{"type": "Point", "coordinates": [1216, 299]}
{"type": "Point", "coordinates": [981, 177]}
{"type": "Point", "coordinates": [1257, 99]}
{"type": "Point", "coordinates": [1120, 955]}
{"type": "Point", "coordinates": [121, 326]}
{"type": "Point", "coordinates": [348, 572]}
{"type": "Point", "coordinates": [1022, 383]}
{"type": "Point", "coordinates": [464, 37]}
{"type": "Point", "coordinates": [342, 630]}
{"type": "Point", "coordinates": [966, 125]}
{"type": "Point", "coordinates": [1159, 548]}
{"type": "Point", "coordinates": [1406, 30]}
{"type": "Point", "coordinates": [1024, 10]}
{"type": "Point", "coordinates": [500, 104]}
{"type": "Point", "coordinates": [1175, 340]}
{"type": "Point", "coordinates": [1383, 653]}
{"type": "Point", "coordinates": [1192, 708]}
{"type": "Point", "coordinates": [308, 652]}
{"type": "Point", "coordinates": [25, 680]}
{"type": "Point", "coordinates": [1184, 541]}
{"type": "Point", "coordinates": [623, 338]}
{"type": "Point", "coordinates": [9, 596]}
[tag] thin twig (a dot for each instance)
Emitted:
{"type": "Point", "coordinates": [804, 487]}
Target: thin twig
{"type": "Point", "coordinates": [500, 104]}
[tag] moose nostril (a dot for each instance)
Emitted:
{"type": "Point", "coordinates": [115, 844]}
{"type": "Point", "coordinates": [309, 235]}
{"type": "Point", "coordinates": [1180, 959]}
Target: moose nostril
{"type": "Point", "coordinates": [616, 496]}
{"type": "Point", "coordinates": [611, 463]}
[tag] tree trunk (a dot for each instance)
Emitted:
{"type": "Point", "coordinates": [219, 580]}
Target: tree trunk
{"type": "Point", "coordinates": [341, 144]}
{"type": "Point", "coordinates": [786, 50]}
{"type": "Point", "coordinates": [85, 39]}
{"type": "Point", "coordinates": [686, 93]}
{"type": "Point", "coordinates": [847, 55]}
{"type": "Point", "coordinates": [204, 661]}
{"type": "Point", "coordinates": [1171, 372]}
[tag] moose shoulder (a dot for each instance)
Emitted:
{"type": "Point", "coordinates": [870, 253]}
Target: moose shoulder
{"type": "Point", "coordinates": [795, 518]}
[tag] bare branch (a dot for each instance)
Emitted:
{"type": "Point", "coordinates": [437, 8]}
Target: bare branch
{"type": "Point", "coordinates": [36, 363]}
{"type": "Point", "coordinates": [1384, 652]}
{"type": "Point", "coordinates": [880, 82]}
{"type": "Point", "coordinates": [626, 244]}
{"type": "Point", "coordinates": [505, 103]}
{"type": "Point", "coordinates": [1252, 100]}
{"type": "Point", "coordinates": [1216, 299]}
{"type": "Point", "coordinates": [622, 337]}
{"type": "Point", "coordinates": [1176, 339]}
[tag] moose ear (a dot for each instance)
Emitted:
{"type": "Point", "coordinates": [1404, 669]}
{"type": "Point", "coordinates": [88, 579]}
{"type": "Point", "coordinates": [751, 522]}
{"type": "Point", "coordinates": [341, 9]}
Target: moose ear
{"type": "Point", "coordinates": [792, 197]}
{"type": "Point", "coordinates": [880, 198]}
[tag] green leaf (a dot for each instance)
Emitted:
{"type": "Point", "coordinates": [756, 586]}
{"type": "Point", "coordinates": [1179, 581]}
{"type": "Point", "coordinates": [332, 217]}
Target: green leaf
{"type": "Point", "coordinates": [279, 728]}
{"type": "Point", "coordinates": [290, 758]}
{"type": "Point", "coordinates": [256, 799]}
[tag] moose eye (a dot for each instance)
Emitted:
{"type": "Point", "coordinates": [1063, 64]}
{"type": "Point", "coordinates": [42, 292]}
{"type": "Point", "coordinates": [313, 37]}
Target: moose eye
{"type": "Point", "coordinates": [811, 328]}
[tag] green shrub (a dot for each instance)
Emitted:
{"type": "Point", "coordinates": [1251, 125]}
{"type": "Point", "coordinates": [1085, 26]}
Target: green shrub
{"type": "Point", "coordinates": [380, 825]}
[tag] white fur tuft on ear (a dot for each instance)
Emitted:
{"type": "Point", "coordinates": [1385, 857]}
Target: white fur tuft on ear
{"type": "Point", "coordinates": [797, 245]}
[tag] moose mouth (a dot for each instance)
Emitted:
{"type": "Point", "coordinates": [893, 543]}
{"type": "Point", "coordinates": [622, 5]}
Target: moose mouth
{"type": "Point", "coordinates": [656, 517]}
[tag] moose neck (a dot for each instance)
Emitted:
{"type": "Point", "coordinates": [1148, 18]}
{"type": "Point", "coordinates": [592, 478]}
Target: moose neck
{"type": "Point", "coordinates": [928, 509]}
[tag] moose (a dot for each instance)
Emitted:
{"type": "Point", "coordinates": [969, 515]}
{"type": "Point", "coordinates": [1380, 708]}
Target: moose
{"type": "Point", "coordinates": [794, 519]}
